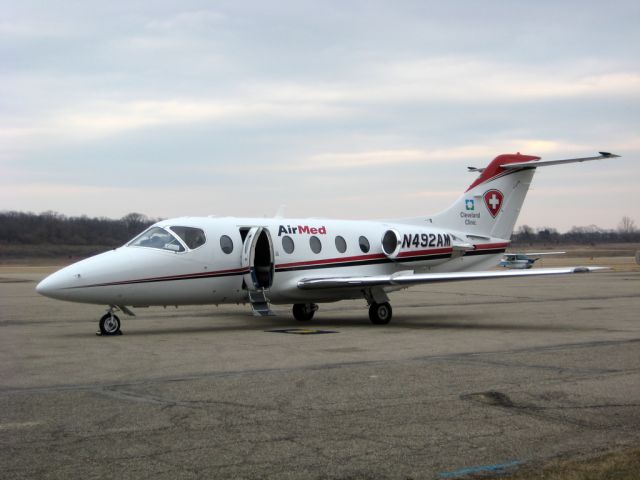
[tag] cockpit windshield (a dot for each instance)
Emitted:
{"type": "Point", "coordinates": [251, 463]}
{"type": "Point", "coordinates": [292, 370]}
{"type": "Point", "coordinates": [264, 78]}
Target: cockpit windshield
{"type": "Point", "coordinates": [157, 237]}
{"type": "Point", "coordinates": [192, 237]}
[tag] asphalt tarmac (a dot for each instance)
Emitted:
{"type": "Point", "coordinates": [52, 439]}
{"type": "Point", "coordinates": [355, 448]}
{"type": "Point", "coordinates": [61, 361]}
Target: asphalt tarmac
{"type": "Point", "coordinates": [468, 378]}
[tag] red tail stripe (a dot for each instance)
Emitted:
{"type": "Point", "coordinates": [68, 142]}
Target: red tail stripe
{"type": "Point", "coordinates": [494, 169]}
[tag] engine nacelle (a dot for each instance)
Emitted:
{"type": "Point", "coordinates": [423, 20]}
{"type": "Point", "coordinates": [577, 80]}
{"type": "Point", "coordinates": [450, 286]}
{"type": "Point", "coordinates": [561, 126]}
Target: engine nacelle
{"type": "Point", "coordinates": [391, 243]}
{"type": "Point", "coordinates": [417, 245]}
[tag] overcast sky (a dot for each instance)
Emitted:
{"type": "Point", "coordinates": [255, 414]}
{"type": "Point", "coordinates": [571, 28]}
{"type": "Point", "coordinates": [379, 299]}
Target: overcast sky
{"type": "Point", "coordinates": [360, 109]}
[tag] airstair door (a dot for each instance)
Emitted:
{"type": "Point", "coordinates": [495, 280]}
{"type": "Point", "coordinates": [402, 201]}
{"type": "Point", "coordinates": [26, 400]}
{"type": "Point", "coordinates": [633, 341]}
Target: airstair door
{"type": "Point", "coordinates": [258, 259]}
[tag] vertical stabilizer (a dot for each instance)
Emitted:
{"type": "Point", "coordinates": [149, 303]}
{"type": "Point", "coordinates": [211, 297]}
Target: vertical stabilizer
{"type": "Point", "coordinates": [492, 203]}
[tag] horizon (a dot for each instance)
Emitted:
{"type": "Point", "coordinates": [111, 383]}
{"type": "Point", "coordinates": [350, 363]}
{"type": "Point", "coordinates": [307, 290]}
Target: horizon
{"type": "Point", "coordinates": [147, 218]}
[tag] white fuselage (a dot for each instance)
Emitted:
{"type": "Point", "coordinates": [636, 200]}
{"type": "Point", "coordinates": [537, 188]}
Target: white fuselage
{"type": "Point", "coordinates": [140, 275]}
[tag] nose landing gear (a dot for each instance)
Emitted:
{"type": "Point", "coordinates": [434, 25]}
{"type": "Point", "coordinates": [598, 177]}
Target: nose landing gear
{"type": "Point", "coordinates": [110, 324]}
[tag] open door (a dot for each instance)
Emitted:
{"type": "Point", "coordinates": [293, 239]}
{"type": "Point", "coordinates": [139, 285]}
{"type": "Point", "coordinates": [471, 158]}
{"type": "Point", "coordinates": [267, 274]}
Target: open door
{"type": "Point", "coordinates": [257, 256]}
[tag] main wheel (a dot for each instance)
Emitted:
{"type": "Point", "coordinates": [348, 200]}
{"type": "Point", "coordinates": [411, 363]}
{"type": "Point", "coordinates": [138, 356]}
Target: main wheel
{"type": "Point", "coordinates": [303, 312]}
{"type": "Point", "coordinates": [109, 324]}
{"type": "Point", "coordinates": [380, 313]}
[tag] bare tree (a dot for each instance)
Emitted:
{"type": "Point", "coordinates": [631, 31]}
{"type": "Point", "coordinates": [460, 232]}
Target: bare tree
{"type": "Point", "coordinates": [135, 222]}
{"type": "Point", "coordinates": [627, 225]}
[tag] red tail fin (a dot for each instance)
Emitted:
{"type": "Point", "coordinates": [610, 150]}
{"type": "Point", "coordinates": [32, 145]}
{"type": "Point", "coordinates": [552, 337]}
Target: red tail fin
{"type": "Point", "coordinates": [494, 170]}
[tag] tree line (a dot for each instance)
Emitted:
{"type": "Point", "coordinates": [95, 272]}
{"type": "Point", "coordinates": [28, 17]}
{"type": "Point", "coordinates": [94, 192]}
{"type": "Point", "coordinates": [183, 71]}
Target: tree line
{"type": "Point", "coordinates": [52, 228]}
{"type": "Point", "coordinates": [589, 235]}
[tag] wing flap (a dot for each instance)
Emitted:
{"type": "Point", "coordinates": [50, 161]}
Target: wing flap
{"type": "Point", "coordinates": [403, 279]}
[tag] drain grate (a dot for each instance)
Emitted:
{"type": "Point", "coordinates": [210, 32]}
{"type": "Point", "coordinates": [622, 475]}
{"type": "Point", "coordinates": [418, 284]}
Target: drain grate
{"type": "Point", "coordinates": [301, 331]}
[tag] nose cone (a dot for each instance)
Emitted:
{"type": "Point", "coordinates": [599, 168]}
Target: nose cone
{"type": "Point", "coordinates": [55, 285]}
{"type": "Point", "coordinates": [44, 287]}
{"type": "Point", "coordinates": [92, 280]}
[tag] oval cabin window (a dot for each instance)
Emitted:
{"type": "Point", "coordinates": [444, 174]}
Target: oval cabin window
{"type": "Point", "coordinates": [364, 244]}
{"type": "Point", "coordinates": [287, 244]}
{"type": "Point", "coordinates": [315, 244]}
{"type": "Point", "coordinates": [226, 244]}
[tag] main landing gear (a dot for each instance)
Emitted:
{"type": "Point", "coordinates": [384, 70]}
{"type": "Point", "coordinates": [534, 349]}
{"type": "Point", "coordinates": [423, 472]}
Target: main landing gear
{"type": "Point", "coordinates": [380, 313]}
{"type": "Point", "coordinates": [303, 312]}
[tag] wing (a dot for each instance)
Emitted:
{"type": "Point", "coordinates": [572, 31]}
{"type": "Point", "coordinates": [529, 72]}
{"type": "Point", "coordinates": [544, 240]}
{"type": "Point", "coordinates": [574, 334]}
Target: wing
{"type": "Point", "coordinates": [404, 279]}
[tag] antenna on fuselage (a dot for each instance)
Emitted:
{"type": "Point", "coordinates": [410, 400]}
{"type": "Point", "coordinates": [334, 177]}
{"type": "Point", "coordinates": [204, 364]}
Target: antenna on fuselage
{"type": "Point", "coordinates": [280, 212]}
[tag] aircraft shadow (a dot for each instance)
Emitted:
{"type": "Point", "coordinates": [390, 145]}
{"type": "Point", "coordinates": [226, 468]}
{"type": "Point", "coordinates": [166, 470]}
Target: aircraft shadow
{"type": "Point", "coordinates": [469, 322]}
{"type": "Point", "coordinates": [457, 321]}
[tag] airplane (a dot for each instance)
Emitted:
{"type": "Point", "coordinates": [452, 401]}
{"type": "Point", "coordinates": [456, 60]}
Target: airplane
{"type": "Point", "coordinates": [523, 260]}
{"type": "Point", "coordinates": [307, 261]}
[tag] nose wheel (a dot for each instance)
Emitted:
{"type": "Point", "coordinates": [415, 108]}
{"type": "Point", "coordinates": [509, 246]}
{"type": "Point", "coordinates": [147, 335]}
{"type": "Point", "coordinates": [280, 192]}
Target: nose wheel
{"type": "Point", "coordinates": [110, 324]}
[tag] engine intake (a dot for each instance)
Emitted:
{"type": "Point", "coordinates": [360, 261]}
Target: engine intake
{"type": "Point", "coordinates": [391, 243]}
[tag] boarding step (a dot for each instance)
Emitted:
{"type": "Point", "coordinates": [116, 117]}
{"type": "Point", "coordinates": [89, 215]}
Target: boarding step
{"type": "Point", "coordinates": [260, 303]}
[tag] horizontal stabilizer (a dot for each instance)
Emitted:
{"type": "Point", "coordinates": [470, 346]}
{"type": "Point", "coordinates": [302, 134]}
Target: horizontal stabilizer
{"type": "Point", "coordinates": [546, 163]}
{"type": "Point", "coordinates": [414, 279]}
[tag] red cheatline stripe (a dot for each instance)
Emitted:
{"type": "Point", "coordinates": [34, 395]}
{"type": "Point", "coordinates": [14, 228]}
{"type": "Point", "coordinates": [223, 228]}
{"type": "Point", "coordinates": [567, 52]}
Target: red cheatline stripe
{"type": "Point", "coordinates": [192, 275]}
{"type": "Point", "coordinates": [185, 276]}
{"type": "Point", "coordinates": [337, 261]}
{"type": "Point", "coordinates": [324, 261]}
{"type": "Point", "coordinates": [361, 258]}
{"type": "Point", "coordinates": [433, 251]}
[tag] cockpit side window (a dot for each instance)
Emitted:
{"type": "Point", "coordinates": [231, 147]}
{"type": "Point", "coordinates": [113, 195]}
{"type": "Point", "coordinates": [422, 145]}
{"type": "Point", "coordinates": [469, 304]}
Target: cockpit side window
{"type": "Point", "coordinates": [192, 237]}
{"type": "Point", "coordinates": [157, 237]}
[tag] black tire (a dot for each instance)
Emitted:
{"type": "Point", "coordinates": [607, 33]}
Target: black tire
{"type": "Point", "coordinates": [380, 313]}
{"type": "Point", "coordinates": [109, 324]}
{"type": "Point", "coordinates": [303, 312]}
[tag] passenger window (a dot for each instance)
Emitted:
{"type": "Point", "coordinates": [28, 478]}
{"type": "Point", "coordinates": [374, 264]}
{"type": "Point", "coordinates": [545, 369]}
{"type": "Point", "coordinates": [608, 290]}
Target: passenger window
{"type": "Point", "coordinates": [315, 244]}
{"type": "Point", "coordinates": [226, 244]}
{"type": "Point", "coordinates": [192, 237]}
{"type": "Point", "coordinates": [287, 244]}
{"type": "Point", "coordinates": [157, 237]}
{"type": "Point", "coordinates": [364, 244]}
{"type": "Point", "coordinates": [341, 244]}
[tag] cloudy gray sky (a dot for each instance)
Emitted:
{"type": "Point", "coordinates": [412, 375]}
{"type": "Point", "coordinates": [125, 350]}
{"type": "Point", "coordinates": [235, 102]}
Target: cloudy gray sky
{"type": "Point", "coordinates": [360, 109]}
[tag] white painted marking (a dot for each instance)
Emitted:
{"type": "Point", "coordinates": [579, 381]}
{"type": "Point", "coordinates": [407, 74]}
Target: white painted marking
{"type": "Point", "coordinates": [17, 425]}
{"type": "Point", "coordinates": [494, 201]}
